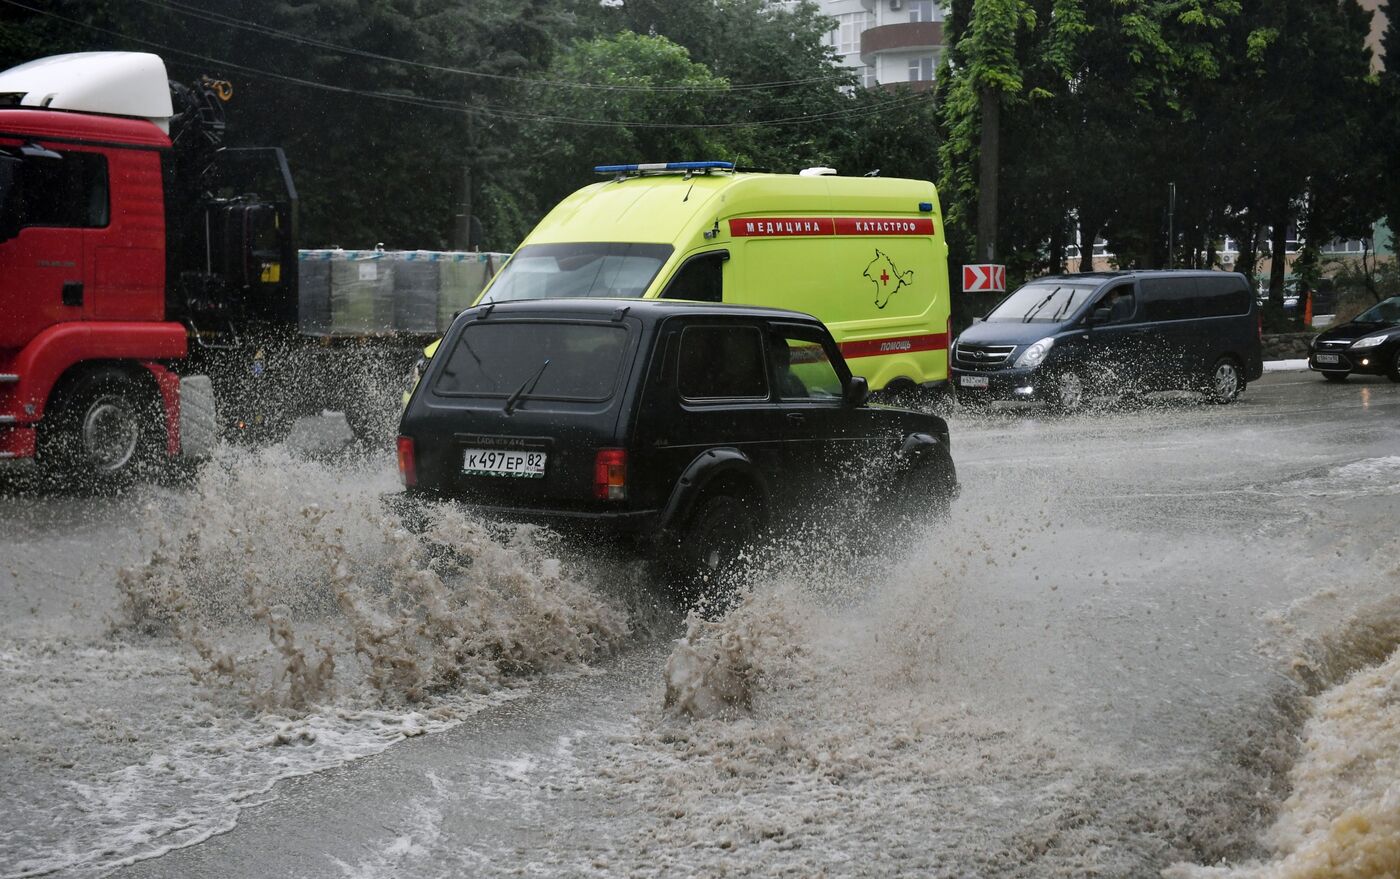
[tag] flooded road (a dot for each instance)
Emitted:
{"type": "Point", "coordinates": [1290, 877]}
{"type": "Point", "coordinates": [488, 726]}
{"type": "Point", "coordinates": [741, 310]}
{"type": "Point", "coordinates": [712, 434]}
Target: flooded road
{"type": "Point", "coordinates": [1125, 654]}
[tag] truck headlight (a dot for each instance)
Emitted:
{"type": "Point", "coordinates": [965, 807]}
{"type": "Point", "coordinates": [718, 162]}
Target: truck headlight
{"type": "Point", "coordinates": [1032, 356]}
{"type": "Point", "coordinates": [1369, 342]}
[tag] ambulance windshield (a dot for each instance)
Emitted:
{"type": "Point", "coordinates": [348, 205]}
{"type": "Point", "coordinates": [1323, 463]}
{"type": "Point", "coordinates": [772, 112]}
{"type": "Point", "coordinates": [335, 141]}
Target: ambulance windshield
{"type": "Point", "coordinates": [558, 271]}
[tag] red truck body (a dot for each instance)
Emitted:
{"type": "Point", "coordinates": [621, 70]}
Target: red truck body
{"type": "Point", "coordinates": [92, 288]}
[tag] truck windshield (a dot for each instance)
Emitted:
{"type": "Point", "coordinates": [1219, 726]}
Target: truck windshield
{"type": "Point", "coordinates": [499, 358]}
{"type": "Point", "coordinates": [558, 271]}
{"type": "Point", "coordinates": [1043, 302]}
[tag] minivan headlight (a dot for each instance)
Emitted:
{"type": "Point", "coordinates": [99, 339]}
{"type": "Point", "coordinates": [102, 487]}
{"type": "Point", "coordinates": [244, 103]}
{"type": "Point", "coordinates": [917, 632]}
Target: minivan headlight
{"type": "Point", "coordinates": [1032, 356]}
{"type": "Point", "coordinates": [1369, 342]}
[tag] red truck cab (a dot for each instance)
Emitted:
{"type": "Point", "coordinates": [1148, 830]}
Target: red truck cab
{"type": "Point", "coordinates": [84, 340]}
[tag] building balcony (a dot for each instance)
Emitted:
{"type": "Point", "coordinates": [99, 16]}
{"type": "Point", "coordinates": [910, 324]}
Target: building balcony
{"type": "Point", "coordinates": [903, 37]}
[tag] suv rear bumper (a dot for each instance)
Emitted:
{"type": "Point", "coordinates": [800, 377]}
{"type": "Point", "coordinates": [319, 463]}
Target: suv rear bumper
{"type": "Point", "coordinates": [411, 507]}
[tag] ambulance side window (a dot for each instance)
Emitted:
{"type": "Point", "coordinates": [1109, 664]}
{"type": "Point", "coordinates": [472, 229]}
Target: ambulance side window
{"type": "Point", "coordinates": [700, 278]}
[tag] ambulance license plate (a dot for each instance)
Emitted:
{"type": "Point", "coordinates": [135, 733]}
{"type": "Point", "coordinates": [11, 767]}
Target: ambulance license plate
{"type": "Point", "coordinates": [972, 381]}
{"type": "Point", "coordinates": [1326, 358]}
{"type": "Point", "coordinates": [497, 462]}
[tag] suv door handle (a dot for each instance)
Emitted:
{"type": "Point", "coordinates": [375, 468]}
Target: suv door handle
{"type": "Point", "coordinates": [796, 417]}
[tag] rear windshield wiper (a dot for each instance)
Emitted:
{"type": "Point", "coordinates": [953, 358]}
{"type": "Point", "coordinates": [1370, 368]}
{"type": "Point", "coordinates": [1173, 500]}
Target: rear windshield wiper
{"type": "Point", "coordinates": [527, 387]}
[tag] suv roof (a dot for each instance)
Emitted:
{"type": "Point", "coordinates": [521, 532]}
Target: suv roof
{"type": "Point", "coordinates": [645, 309]}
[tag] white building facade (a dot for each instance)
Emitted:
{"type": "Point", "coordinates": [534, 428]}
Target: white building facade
{"type": "Point", "coordinates": [889, 42]}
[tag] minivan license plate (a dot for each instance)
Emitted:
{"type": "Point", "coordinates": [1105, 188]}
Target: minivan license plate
{"type": "Point", "coordinates": [972, 381]}
{"type": "Point", "coordinates": [497, 462]}
{"type": "Point", "coordinates": [1326, 358]}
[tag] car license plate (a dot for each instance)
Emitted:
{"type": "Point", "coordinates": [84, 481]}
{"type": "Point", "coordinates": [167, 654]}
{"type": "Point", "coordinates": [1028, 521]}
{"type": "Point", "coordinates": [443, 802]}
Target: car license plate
{"type": "Point", "coordinates": [498, 462]}
{"type": "Point", "coordinates": [1326, 358]}
{"type": "Point", "coordinates": [972, 381]}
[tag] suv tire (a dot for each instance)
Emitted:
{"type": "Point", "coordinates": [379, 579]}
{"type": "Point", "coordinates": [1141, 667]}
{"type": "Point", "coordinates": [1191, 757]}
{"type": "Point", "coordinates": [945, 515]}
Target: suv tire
{"type": "Point", "coordinates": [713, 544]}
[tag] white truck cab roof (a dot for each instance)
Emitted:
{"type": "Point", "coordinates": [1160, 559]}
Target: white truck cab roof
{"type": "Point", "coordinates": [109, 83]}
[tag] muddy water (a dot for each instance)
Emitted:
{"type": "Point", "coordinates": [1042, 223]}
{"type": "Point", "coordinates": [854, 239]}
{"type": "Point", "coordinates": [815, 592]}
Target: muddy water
{"type": "Point", "coordinates": [1155, 657]}
{"type": "Point", "coordinates": [279, 622]}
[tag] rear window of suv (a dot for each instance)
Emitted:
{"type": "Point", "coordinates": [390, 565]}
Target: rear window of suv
{"type": "Point", "coordinates": [499, 358]}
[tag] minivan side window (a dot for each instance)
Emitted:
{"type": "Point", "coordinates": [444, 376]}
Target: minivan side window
{"type": "Point", "coordinates": [722, 363]}
{"type": "Point", "coordinates": [1222, 296]}
{"type": "Point", "coordinates": [701, 279]}
{"type": "Point", "coordinates": [1170, 298]}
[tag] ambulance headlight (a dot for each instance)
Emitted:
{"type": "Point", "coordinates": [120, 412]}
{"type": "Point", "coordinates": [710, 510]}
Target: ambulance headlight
{"type": "Point", "coordinates": [1032, 356]}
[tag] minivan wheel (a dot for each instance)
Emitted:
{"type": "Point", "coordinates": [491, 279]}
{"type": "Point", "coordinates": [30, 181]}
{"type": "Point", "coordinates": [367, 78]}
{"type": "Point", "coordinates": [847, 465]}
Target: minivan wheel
{"type": "Point", "coordinates": [713, 546]}
{"type": "Point", "coordinates": [1225, 381]}
{"type": "Point", "coordinates": [1069, 392]}
{"type": "Point", "coordinates": [1336, 376]}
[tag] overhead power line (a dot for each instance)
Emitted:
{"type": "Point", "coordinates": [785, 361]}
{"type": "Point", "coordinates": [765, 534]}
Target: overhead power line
{"type": "Point", "coordinates": [484, 110]}
{"type": "Point", "coordinates": [254, 27]}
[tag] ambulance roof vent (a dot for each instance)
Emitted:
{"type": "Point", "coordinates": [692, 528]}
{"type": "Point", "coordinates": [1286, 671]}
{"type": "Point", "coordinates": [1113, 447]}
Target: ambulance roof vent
{"type": "Point", "coordinates": [664, 168]}
{"type": "Point", "coordinates": [819, 171]}
{"type": "Point", "coordinates": [111, 83]}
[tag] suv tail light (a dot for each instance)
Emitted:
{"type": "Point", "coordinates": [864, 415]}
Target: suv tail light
{"type": "Point", "coordinates": [408, 466]}
{"type": "Point", "coordinates": [610, 474]}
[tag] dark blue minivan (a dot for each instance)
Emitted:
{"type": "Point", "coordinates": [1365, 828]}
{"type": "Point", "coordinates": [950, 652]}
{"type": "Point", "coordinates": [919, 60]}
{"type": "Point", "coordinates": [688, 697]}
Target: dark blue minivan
{"type": "Point", "coordinates": [1068, 339]}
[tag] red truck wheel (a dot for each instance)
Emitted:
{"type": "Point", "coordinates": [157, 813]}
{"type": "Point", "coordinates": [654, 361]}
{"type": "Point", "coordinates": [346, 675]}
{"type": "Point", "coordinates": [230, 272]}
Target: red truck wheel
{"type": "Point", "coordinates": [102, 429]}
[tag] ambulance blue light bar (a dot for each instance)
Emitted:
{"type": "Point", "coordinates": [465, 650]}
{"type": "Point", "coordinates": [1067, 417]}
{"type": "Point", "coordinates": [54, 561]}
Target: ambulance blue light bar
{"type": "Point", "coordinates": [663, 166]}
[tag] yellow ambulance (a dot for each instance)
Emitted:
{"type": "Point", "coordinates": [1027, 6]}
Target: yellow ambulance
{"type": "Point", "coordinates": [866, 255]}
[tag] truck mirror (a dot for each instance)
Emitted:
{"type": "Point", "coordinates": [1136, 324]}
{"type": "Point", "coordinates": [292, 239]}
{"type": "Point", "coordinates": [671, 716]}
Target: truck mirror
{"type": "Point", "coordinates": [857, 390]}
{"type": "Point", "coordinates": [9, 196]}
{"type": "Point", "coordinates": [1100, 316]}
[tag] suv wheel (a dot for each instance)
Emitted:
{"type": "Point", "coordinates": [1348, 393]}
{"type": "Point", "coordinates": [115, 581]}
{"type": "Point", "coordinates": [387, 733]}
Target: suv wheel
{"type": "Point", "coordinates": [712, 547]}
{"type": "Point", "coordinates": [1225, 382]}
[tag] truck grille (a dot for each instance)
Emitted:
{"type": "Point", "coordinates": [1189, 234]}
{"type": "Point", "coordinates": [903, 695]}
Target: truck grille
{"type": "Point", "coordinates": [973, 356]}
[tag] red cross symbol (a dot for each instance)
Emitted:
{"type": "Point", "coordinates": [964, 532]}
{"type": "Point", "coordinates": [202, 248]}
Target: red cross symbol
{"type": "Point", "coordinates": [884, 277]}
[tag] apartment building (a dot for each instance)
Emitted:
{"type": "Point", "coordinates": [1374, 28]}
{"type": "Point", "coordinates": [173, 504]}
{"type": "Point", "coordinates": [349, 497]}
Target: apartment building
{"type": "Point", "coordinates": [889, 43]}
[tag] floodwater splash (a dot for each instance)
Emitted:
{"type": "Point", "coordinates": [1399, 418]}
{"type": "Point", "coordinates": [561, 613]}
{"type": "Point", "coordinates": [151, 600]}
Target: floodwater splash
{"type": "Point", "coordinates": [318, 630]}
{"type": "Point", "coordinates": [1341, 818]}
{"type": "Point", "coordinates": [352, 604]}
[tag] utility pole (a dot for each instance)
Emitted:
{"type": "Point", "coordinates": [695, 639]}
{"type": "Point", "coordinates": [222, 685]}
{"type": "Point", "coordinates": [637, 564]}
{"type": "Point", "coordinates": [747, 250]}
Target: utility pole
{"type": "Point", "coordinates": [1171, 225]}
{"type": "Point", "coordinates": [989, 168]}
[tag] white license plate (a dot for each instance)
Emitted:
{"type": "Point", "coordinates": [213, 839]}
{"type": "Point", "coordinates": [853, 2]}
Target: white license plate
{"type": "Point", "coordinates": [1326, 358]}
{"type": "Point", "coordinates": [972, 381]}
{"type": "Point", "coordinates": [498, 462]}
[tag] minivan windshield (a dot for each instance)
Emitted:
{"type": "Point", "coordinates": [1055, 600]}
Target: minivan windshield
{"type": "Point", "coordinates": [499, 358]}
{"type": "Point", "coordinates": [1043, 302]}
{"type": "Point", "coordinates": [1385, 312]}
{"type": "Point", "coordinates": [559, 271]}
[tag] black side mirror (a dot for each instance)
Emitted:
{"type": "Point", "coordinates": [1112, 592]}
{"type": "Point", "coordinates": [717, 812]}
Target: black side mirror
{"type": "Point", "coordinates": [1100, 316]}
{"type": "Point", "coordinates": [857, 392]}
{"type": "Point", "coordinates": [10, 222]}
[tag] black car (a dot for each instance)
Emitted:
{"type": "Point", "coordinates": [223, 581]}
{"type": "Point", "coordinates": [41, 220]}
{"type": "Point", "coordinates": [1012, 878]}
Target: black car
{"type": "Point", "coordinates": [1369, 344]}
{"type": "Point", "coordinates": [1064, 339]}
{"type": "Point", "coordinates": [688, 428]}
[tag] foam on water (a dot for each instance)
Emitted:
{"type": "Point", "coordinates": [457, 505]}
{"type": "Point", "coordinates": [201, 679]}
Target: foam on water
{"type": "Point", "coordinates": [284, 623]}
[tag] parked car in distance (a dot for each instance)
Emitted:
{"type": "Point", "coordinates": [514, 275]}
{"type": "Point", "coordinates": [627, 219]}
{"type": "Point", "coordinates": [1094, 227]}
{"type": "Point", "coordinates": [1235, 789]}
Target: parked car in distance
{"type": "Point", "coordinates": [688, 429]}
{"type": "Point", "coordinates": [1370, 343]}
{"type": "Point", "coordinates": [1065, 339]}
